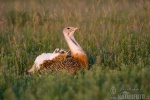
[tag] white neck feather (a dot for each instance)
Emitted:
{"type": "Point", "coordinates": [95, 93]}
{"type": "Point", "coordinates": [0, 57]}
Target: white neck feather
{"type": "Point", "coordinates": [73, 44]}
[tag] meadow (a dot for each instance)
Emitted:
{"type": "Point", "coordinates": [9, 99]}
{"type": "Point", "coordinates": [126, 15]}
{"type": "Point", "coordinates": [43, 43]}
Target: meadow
{"type": "Point", "coordinates": [115, 35]}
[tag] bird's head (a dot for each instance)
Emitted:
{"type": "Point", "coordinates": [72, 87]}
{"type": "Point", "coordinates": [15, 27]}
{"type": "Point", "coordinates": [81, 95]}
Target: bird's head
{"type": "Point", "coordinates": [69, 30]}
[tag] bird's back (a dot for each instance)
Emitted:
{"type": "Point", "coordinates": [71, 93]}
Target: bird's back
{"type": "Point", "coordinates": [68, 63]}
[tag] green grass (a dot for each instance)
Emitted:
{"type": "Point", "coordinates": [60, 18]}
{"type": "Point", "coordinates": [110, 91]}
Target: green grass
{"type": "Point", "coordinates": [114, 34]}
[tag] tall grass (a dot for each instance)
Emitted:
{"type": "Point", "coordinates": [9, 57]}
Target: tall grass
{"type": "Point", "coordinates": [114, 34]}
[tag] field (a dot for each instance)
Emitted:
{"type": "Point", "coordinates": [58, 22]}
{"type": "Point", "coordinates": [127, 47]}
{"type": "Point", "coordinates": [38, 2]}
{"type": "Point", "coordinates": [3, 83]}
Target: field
{"type": "Point", "coordinates": [115, 35]}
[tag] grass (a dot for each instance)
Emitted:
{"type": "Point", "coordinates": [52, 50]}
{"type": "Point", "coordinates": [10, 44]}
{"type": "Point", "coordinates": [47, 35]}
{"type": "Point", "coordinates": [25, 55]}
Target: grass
{"type": "Point", "coordinates": [114, 34]}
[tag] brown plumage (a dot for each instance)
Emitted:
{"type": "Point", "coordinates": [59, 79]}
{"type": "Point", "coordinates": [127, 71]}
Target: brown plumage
{"type": "Point", "coordinates": [68, 63]}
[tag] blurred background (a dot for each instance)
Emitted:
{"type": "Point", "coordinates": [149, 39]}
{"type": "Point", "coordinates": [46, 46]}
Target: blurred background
{"type": "Point", "coordinates": [115, 35]}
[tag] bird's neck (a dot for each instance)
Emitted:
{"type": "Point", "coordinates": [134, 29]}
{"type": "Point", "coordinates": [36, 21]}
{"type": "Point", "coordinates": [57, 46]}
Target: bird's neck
{"type": "Point", "coordinates": [73, 45]}
{"type": "Point", "coordinates": [76, 50]}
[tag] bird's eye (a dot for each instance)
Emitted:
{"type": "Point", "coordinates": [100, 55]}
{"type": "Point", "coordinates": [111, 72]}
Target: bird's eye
{"type": "Point", "coordinates": [68, 28]}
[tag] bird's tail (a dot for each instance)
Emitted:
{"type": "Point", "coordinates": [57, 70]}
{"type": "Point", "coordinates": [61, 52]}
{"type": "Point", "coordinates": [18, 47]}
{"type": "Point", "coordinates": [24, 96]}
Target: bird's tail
{"type": "Point", "coordinates": [30, 71]}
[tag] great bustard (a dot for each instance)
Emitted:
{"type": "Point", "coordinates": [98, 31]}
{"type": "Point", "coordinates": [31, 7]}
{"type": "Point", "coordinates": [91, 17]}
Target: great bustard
{"type": "Point", "coordinates": [60, 59]}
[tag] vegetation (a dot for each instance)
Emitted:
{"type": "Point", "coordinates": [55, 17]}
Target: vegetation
{"type": "Point", "coordinates": [114, 34]}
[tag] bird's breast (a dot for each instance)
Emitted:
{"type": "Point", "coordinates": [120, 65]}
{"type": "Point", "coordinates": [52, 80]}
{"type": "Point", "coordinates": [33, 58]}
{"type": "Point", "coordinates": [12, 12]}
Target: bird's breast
{"type": "Point", "coordinates": [82, 58]}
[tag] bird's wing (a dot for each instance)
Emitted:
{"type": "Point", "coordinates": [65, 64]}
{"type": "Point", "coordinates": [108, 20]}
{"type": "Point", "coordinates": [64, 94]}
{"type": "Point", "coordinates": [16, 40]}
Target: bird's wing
{"type": "Point", "coordinates": [70, 64]}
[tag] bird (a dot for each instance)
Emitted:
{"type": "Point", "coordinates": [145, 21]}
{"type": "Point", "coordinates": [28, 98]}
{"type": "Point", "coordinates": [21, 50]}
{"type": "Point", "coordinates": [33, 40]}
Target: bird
{"type": "Point", "coordinates": [71, 61]}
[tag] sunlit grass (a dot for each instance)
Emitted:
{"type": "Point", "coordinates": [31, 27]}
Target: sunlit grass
{"type": "Point", "coordinates": [114, 34]}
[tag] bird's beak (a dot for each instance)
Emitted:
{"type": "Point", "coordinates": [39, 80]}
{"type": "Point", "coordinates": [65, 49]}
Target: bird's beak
{"type": "Point", "coordinates": [76, 28]}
